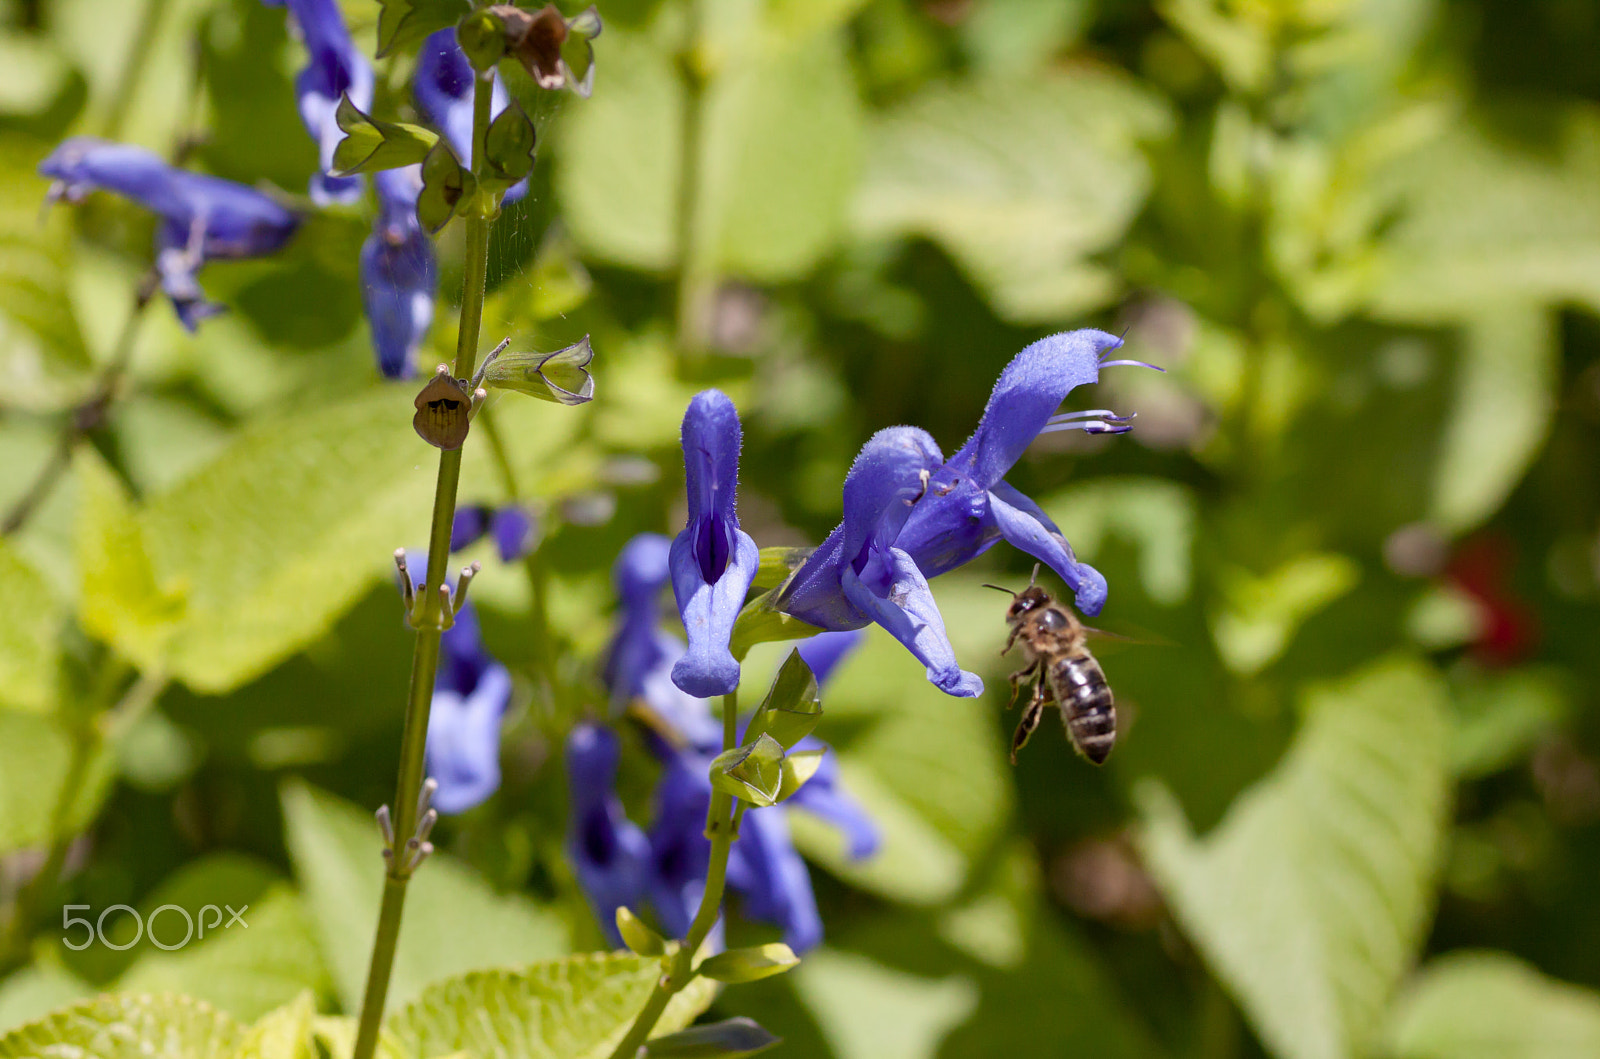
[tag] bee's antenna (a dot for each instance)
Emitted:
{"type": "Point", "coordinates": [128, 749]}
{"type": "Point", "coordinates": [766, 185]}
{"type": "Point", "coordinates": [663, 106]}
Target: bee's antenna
{"type": "Point", "coordinates": [1032, 580]}
{"type": "Point", "coordinates": [997, 588]}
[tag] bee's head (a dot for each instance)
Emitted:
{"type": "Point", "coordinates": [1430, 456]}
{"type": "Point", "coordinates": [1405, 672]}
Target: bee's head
{"type": "Point", "coordinates": [1026, 601]}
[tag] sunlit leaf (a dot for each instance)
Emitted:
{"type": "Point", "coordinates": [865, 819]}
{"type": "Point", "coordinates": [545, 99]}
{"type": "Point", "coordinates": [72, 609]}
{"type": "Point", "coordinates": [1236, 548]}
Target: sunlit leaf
{"type": "Point", "coordinates": [1490, 1005]}
{"type": "Point", "coordinates": [128, 1027]}
{"type": "Point", "coordinates": [1311, 897]}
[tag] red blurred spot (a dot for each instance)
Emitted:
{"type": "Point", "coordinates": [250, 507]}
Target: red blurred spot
{"type": "Point", "coordinates": [1481, 567]}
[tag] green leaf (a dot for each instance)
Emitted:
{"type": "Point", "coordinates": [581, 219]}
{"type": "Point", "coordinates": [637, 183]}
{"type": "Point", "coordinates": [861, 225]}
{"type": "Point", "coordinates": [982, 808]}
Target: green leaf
{"type": "Point", "coordinates": [1019, 181]}
{"type": "Point", "coordinates": [403, 23]}
{"type": "Point", "coordinates": [1505, 397]}
{"type": "Point", "coordinates": [748, 965]}
{"type": "Point", "coordinates": [1490, 1005]}
{"type": "Point", "coordinates": [1499, 717]}
{"type": "Point", "coordinates": [284, 1033]}
{"type": "Point", "coordinates": [798, 767]}
{"type": "Point", "coordinates": [1157, 515]}
{"type": "Point", "coordinates": [869, 1011]}
{"type": "Point", "coordinates": [792, 707]}
{"type": "Point", "coordinates": [1532, 235]}
{"type": "Point", "coordinates": [781, 134]}
{"type": "Point", "coordinates": [509, 145]}
{"type": "Point", "coordinates": [284, 531]}
{"type": "Point", "coordinates": [760, 621]}
{"type": "Point", "coordinates": [120, 600]}
{"type": "Point", "coordinates": [30, 643]}
{"type": "Point", "coordinates": [576, 1008]}
{"type": "Point", "coordinates": [37, 990]}
{"type": "Point", "coordinates": [1260, 615]}
{"type": "Point", "coordinates": [753, 772]}
{"type": "Point", "coordinates": [370, 144]}
{"type": "Point", "coordinates": [561, 377]}
{"type": "Point", "coordinates": [778, 564]}
{"type": "Point", "coordinates": [729, 1039]}
{"type": "Point", "coordinates": [37, 762]}
{"type": "Point", "coordinates": [245, 971]}
{"type": "Point", "coordinates": [446, 185]}
{"type": "Point", "coordinates": [46, 344]}
{"type": "Point", "coordinates": [1310, 899]}
{"type": "Point", "coordinates": [128, 1027]}
{"type": "Point", "coordinates": [637, 935]}
{"type": "Point", "coordinates": [454, 921]}
{"type": "Point", "coordinates": [780, 156]}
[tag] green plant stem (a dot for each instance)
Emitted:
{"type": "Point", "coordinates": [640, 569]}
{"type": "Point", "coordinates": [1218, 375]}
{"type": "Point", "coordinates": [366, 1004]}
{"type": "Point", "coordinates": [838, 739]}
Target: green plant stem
{"type": "Point", "coordinates": [430, 619]}
{"type": "Point", "coordinates": [722, 832]}
{"type": "Point", "coordinates": [128, 77]}
{"type": "Point", "coordinates": [696, 280]}
{"type": "Point", "coordinates": [85, 418]}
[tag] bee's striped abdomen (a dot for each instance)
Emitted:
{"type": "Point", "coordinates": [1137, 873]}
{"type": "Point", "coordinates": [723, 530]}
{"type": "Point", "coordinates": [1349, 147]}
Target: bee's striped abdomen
{"type": "Point", "coordinates": [1087, 708]}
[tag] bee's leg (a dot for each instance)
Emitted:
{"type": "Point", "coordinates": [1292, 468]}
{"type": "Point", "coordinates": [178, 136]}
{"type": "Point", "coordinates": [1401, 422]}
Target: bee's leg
{"type": "Point", "coordinates": [1015, 629]}
{"type": "Point", "coordinates": [1031, 715]}
{"type": "Point", "coordinates": [1019, 677]}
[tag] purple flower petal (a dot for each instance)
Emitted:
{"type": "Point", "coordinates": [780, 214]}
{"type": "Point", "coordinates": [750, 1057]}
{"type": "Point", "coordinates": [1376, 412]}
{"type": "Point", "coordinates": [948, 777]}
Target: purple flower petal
{"type": "Point", "coordinates": [1025, 525]}
{"type": "Point", "coordinates": [610, 855]}
{"type": "Point", "coordinates": [471, 523]}
{"type": "Point", "coordinates": [442, 87]}
{"type": "Point", "coordinates": [825, 797]}
{"type": "Point", "coordinates": [764, 868]}
{"type": "Point", "coordinates": [712, 561]}
{"type": "Point", "coordinates": [399, 274]}
{"type": "Point", "coordinates": [334, 68]}
{"type": "Point", "coordinates": [513, 530]}
{"type": "Point", "coordinates": [1027, 394]}
{"type": "Point", "coordinates": [463, 749]}
{"type": "Point", "coordinates": [905, 607]}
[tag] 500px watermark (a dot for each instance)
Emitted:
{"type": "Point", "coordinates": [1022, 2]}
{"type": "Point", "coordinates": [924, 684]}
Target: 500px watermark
{"type": "Point", "coordinates": [95, 929]}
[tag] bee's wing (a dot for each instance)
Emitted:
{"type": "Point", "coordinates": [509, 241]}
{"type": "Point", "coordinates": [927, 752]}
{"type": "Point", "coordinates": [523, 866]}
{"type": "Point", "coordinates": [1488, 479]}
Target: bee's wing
{"type": "Point", "coordinates": [1142, 637]}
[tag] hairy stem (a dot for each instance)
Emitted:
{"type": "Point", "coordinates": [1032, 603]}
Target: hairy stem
{"type": "Point", "coordinates": [721, 830]}
{"type": "Point", "coordinates": [429, 618]}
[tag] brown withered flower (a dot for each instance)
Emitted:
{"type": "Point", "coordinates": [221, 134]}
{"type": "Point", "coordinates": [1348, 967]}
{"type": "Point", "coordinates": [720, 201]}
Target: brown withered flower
{"type": "Point", "coordinates": [549, 45]}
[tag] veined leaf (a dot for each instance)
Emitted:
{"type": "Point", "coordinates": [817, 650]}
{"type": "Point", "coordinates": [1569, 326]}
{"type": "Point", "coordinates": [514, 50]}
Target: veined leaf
{"type": "Point", "coordinates": [454, 921]}
{"type": "Point", "coordinates": [1311, 897]}
{"type": "Point", "coordinates": [370, 144]}
{"type": "Point", "coordinates": [577, 1008]}
{"type": "Point", "coordinates": [117, 1026]}
{"type": "Point", "coordinates": [29, 640]}
{"type": "Point", "coordinates": [1490, 1005]}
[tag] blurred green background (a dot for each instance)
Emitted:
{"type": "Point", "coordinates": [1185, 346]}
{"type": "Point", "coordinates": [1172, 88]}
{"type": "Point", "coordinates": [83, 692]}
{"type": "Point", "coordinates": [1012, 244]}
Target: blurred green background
{"type": "Point", "coordinates": [1355, 809]}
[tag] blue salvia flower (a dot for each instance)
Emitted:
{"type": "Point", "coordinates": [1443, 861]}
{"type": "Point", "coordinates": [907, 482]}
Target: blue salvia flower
{"type": "Point", "coordinates": [910, 515]}
{"type": "Point", "coordinates": [713, 561]}
{"type": "Point", "coordinates": [442, 86]}
{"type": "Point", "coordinates": [609, 853]}
{"type": "Point", "coordinates": [399, 273]}
{"type": "Point", "coordinates": [969, 506]}
{"type": "Point", "coordinates": [334, 67]}
{"type": "Point", "coordinates": [470, 695]}
{"type": "Point", "coordinates": [859, 575]}
{"type": "Point", "coordinates": [202, 217]}
{"type": "Point", "coordinates": [685, 736]}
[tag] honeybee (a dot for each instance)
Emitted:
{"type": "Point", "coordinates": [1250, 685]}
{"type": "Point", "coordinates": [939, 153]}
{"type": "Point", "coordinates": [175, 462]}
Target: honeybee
{"type": "Point", "coordinates": [1065, 674]}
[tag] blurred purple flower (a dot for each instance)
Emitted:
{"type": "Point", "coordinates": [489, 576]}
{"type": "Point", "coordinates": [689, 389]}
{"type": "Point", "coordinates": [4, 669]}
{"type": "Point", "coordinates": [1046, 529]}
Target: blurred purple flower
{"type": "Point", "coordinates": [470, 695]}
{"type": "Point", "coordinates": [442, 86]}
{"type": "Point", "coordinates": [334, 67]}
{"type": "Point", "coordinates": [712, 561]}
{"type": "Point", "coordinates": [639, 663]}
{"type": "Point", "coordinates": [824, 651]}
{"type": "Point", "coordinates": [513, 528]}
{"type": "Point", "coordinates": [609, 853]}
{"type": "Point", "coordinates": [399, 273]}
{"type": "Point", "coordinates": [203, 217]}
